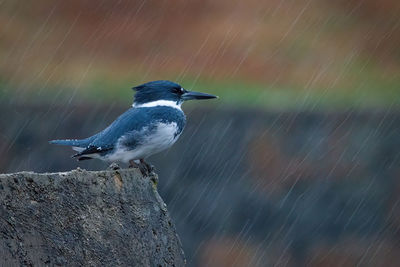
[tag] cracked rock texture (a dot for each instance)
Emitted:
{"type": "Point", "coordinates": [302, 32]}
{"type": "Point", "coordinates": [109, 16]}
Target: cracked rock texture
{"type": "Point", "coordinates": [95, 218]}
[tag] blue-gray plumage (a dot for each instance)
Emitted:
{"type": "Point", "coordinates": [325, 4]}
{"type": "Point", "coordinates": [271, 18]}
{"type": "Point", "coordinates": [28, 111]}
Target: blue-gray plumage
{"type": "Point", "coordinates": [153, 123]}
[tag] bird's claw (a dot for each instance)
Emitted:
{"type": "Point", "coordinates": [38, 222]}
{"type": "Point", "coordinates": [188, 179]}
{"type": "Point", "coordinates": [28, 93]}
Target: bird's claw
{"type": "Point", "coordinates": [143, 166]}
{"type": "Point", "coordinates": [148, 168]}
{"type": "Point", "coordinates": [143, 170]}
{"type": "Point", "coordinates": [133, 164]}
{"type": "Point", "coordinates": [114, 166]}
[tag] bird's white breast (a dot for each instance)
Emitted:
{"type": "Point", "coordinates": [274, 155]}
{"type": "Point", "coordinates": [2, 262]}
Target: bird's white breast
{"type": "Point", "coordinates": [164, 136]}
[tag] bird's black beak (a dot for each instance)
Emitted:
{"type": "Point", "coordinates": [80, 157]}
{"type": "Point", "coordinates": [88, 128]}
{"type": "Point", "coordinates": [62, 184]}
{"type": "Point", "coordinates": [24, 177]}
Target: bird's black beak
{"type": "Point", "coordinates": [197, 95]}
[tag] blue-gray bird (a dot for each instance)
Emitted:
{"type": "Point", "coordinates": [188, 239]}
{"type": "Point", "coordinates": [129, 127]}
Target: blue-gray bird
{"type": "Point", "coordinates": [153, 123]}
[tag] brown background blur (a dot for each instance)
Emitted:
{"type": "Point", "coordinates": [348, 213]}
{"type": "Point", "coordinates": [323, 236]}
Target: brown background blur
{"type": "Point", "coordinates": [336, 53]}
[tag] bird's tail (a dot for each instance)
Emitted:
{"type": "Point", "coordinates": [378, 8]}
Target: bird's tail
{"type": "Point", "coordinates": [70, 142]}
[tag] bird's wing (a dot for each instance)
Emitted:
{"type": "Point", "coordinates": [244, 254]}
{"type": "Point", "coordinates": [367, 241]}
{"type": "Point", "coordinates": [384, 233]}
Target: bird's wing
{"type": "Point", "coordinates": [132, 120]}
{"type": "Point", "coordinates": [125, 128]}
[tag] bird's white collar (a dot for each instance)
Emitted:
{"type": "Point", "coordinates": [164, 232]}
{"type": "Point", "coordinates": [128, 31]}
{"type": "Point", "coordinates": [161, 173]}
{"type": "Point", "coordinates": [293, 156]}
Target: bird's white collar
{"type": "Point", "coordinates": [166, 103]}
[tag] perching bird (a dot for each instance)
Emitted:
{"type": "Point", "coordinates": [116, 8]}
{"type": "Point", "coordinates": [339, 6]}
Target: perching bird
{"type": "Point", "coordinates": [153, 123]}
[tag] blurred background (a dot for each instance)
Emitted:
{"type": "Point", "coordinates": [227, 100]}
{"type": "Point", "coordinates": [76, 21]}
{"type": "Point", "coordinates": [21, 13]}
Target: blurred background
{"type": "Point", "coordinates": [297, 163]}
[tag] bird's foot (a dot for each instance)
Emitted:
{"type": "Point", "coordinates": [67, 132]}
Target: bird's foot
{"type": "Point", "coordinates": [114, 166]}
{"type": "Point", "coordinates": [143, 166]}
{"type": "Point", "coordinates": [133, 164]}
{"type": "Point", "coordinates": [148, 167]}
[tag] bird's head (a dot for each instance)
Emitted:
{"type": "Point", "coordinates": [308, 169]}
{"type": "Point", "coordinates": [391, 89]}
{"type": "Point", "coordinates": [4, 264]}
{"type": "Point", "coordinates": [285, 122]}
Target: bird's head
{"type": "Point", "coordinates": [167, 91]}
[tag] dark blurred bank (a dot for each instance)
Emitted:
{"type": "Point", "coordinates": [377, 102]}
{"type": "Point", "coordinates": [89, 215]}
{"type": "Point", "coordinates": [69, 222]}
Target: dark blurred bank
{"type": "Point", "coordinates": [252, 187]}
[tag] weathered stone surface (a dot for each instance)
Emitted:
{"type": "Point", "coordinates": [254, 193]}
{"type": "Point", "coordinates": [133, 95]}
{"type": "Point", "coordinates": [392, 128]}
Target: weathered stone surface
{"type": "Point", "coordinates": [95, 218]}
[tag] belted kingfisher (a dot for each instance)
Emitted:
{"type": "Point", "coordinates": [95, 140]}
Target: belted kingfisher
{"type": "Point", "coordinates": [153, 123]}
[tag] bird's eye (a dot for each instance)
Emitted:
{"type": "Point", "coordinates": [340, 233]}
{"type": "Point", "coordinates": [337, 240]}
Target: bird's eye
{"type": "Point", "coordinates": [180, 90]}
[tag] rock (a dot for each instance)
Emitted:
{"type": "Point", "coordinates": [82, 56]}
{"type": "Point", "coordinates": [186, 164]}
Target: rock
{"type": "Point", "coordinates": [90, 218]}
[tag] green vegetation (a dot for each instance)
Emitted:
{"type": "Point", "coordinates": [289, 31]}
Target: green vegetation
{"type": "Point", "coordinates": [365, 94]}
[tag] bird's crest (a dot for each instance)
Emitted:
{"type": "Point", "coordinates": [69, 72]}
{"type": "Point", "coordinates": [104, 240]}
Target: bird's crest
{"type": "Point", "coordinates": [156, 90]}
